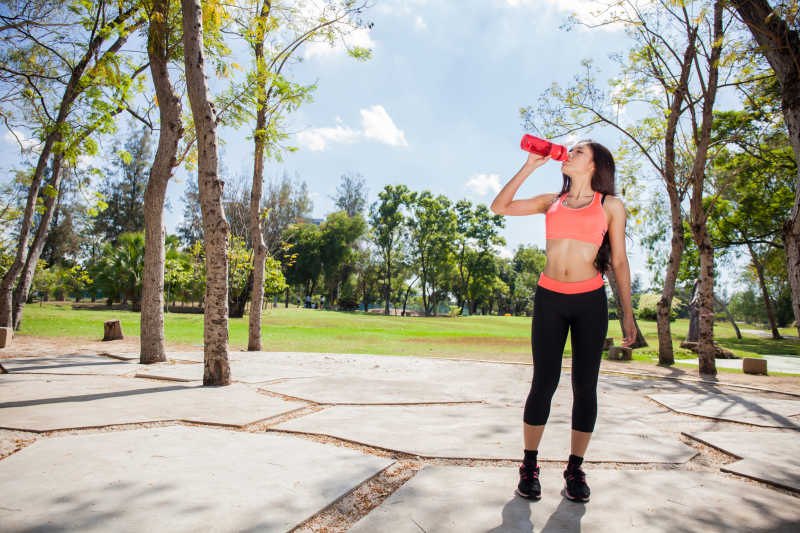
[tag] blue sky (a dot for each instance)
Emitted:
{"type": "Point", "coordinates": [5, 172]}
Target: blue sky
{"type": "Point", "coordinates": [437, 107]}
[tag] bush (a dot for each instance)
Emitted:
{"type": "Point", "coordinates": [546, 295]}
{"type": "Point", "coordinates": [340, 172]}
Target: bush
{"type": "Point", "coordinates": [348, 303]}
{"type": "Point", "coordinates": [648, 307]}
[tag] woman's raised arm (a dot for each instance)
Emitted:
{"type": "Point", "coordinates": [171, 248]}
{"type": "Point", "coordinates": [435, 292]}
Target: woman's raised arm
{"type": "Point", "coordinates": [505, 204]}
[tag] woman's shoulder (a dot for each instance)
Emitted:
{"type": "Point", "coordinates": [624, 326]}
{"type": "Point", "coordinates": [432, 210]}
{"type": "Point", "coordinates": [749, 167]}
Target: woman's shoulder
{"type": "Point", "coordinates": [613, 204]}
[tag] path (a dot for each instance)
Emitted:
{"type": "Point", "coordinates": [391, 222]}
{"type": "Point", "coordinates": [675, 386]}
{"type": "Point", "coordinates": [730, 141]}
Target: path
{"type": "Point", "coordinates": [337, 442]}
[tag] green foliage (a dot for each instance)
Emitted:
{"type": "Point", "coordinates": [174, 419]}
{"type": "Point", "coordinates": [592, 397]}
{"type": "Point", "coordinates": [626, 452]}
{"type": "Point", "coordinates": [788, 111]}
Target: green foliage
{"type": "Point", "coordinates": [120, 267]}
{"type": "Point", "coordinates": [274, 281]}
{"type": "Point", "coordinates": [307, 267]}
{"type": "Point", "coordinates": [432, 227]}
{"type": "Point", "coordinates": [648, 307]}
{"type": "Point", "coordinates": [240, 264]}
{"type": "Point", "coordinates": [123, 187]}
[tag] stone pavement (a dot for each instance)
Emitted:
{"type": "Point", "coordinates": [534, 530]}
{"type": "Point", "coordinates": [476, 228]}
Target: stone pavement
{"type": "Point", "coordinates": [337, 442]}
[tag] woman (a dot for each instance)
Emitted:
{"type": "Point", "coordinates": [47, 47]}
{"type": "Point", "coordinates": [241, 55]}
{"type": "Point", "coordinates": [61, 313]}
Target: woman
{"type": "Point", "coordinates": [585, 229]}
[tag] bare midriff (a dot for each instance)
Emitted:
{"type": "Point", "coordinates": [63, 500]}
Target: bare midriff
{"type": "Point", "coordinates": [570, 260]}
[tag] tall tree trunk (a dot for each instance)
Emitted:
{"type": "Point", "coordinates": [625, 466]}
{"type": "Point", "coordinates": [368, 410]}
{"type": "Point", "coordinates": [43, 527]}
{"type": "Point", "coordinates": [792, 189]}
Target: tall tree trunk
{"type": "Point", "coordinates": [260, 139]}
{"type": "Point", "coordinates": [666, 355]}
{"type": "Point", "coordinates": [388, 285]}
{"type": "Point", "coordinates": [765, 293]}
{"type": "Point", "coordinates": [640, 341]}
{"type": "Point", "coordinates": [705, 340]}
{"type": "Point", "coordinates": [781, 46]}
{"type": "Point", "coordinates": [10, 277]}
{"type": "Point", "coordinates": [699, 217]}
{"type": "Point", "coordinates": [730, 317]}
{"type": "Point", "coordinates": [20, 294]}
{"type": "Point", "coordinates": [215, 226]}
{"type": "Point", "coordinates": [238, 301]}
{"type": "Point", "coordinates": [694, 314]}
{"type": "Point", "coordinates": [153, 348]}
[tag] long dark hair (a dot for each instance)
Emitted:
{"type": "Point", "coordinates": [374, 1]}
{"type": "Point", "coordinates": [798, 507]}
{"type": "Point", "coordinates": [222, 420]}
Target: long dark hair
{"type": "Point", "coordinates": [602, 182]}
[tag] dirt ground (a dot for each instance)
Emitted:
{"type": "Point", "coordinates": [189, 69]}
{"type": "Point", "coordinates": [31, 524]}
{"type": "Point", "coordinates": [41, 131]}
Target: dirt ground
{"type": "Point", "coordinates": [31, 346]}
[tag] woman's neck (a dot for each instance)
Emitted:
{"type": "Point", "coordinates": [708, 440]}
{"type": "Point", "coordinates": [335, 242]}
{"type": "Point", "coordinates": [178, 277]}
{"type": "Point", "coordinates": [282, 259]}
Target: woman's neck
{"type": "Point", "coordinates": [580, 188]}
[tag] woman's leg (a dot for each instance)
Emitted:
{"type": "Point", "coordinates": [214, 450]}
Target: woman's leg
{"type": "Point", "coordinates": [548, 336]}
{"type": "Point", "coordinates": [589, 329]}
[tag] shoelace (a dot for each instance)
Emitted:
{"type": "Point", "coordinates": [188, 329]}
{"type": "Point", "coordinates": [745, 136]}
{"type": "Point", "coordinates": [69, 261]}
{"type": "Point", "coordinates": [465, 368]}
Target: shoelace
{"type": "Point", "coordinates": [527, 472]}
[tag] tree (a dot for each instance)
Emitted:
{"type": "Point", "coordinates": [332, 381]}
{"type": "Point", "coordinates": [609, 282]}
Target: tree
{"type": "Point", "coordinates": [759, 169]}
{"type": "Point", "coordinates": [776, 32]}
{"type": "Point", "coordinates": [528, 264]}
{"type": "Point", "coordinates": [306, 240]}
{"type": "Point", "coordinates": [388, 230]}
{"type": "Point", "coordinates": [215, 226]}
{"type": "Point", "coordinates": [124, 186]}
{"type": "Point", "coordinates": [119, 269]}
{"type": "Point", "coordinates": [190, 229]}
{"type": "Point", "coordinates": [273, 96]}
{"type": "Point", "coordinates": [432, 226]}
{"type": "Point", "coordinates": [338, 234]}
{"type": "Point", "coordinates": [477, 233]}
{"type": "Point", "coordinates": [162, 47]}
{"type": "Point", "coordinates": [73, 66]}
{"type": "Point", "coordinates": [351, 194]}
{"type": "Point", "coordinates": [684, 49]}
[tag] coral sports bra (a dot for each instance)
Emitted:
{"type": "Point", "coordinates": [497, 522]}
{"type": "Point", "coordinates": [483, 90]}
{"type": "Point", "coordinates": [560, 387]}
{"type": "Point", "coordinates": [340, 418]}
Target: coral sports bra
{"type": "Point", "coordinates": [587, 224]}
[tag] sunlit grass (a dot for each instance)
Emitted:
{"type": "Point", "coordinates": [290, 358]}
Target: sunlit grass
{"type": "Point", "coordinates": [307, 330]}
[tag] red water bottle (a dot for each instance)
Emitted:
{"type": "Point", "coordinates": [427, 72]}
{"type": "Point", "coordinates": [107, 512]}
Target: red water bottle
{"type": "Point", "coordinates": [543, 147]}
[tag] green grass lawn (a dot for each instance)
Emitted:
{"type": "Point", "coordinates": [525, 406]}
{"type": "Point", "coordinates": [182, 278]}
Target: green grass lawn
{"type": "Point", "coordinates": [307, 330]}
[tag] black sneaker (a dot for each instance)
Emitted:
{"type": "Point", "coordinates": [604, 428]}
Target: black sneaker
{"type": "Point", "coordinates": [576, 490]}
{"type": "Point", "coordinates": [529, 486]}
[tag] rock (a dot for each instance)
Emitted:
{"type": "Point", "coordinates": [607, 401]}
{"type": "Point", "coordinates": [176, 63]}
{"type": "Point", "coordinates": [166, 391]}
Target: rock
{"type": "Point", "coordinates": [751, 365]}
{"type": "Point", "coordinates": [6, 334]}
{"type": "Point", "coordinates": [112, 330]}
{"type": "Point", "coordinates": [719, 351]}
{"type": "Point", "coordinates": [620, 353]}
{"type": "Point", "coordinates": [724, 353]}
{"type": "Point", "coordinates": [608, 344]}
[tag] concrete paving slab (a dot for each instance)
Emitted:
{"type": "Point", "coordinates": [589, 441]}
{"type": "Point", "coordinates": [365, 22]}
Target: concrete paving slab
{"type": "Point", "coordinates": [71, 364]}
{"type": "Point", "coordinates": [482, 431]}
{"type": "Point", "coordinates": [769, 456]}
{"type": "Point", "coordinates": [750, 409]}
{"type": "Point", "coordinates": [456, 499]}
{"type": "Point", "coordinates": [176, 479]}
{"type": "Point", "coordinates": [359, 390]}
{"type": "Point", "coordinates": [416, 379]}
{"type": "Point", "coordinates": [37, 402]}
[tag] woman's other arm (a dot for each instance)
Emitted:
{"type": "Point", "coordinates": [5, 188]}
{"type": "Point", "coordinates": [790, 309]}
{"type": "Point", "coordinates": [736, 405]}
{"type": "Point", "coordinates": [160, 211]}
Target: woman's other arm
{"type": "Point", "coordinates": [505, 204]}
{"type": "Point", "coordinates": [619, 262]}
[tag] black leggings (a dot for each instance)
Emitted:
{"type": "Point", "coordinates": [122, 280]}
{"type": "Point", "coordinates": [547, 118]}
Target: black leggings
{"type": "Point", "coordinates": [586, 314]}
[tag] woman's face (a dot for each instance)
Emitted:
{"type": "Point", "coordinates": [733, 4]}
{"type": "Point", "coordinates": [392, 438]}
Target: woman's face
{"type": "Point", "coordinates": [580, 162]}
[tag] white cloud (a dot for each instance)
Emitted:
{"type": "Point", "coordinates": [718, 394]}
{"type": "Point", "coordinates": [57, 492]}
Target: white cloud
{"type": "Point", "coordinates": [587, 11]}
{"type": "Point", "coordinates": [17, 138]}
{"type": "Point", "coordinates": [317, 139]}
{"type": "Point", "coordinates": [483, 184]}
{"type": "Point", "coordinates": [378, 125]}
{"type": "Point", "coordinates": [419, 24]}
